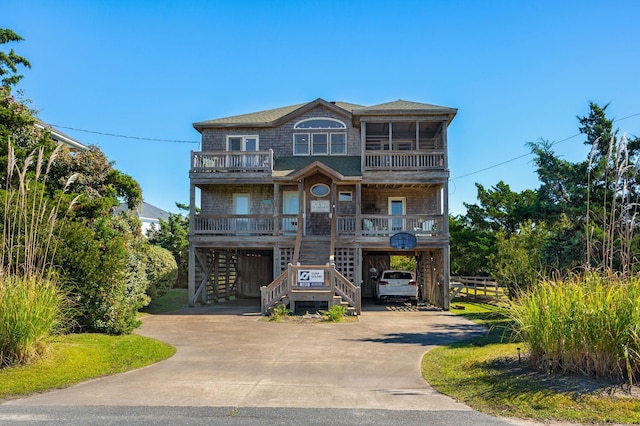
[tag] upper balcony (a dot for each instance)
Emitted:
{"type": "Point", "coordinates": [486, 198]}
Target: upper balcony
{"type": "Point", "coordinates": [249, 165]}
{"type": "Point", "coordinates": [403, 160]}
{"type": "Point", "coordinates": [258, 162]}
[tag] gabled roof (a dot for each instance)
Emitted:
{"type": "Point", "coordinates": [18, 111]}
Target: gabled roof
{"type": "Point", "coordinates": [146, 211]}
{"type": "Point", "coordinates": [273, 117]}
{"type": "Point", "coordinates": [402, 106]}
{"type": "Point", "coordinates": [276, 116]}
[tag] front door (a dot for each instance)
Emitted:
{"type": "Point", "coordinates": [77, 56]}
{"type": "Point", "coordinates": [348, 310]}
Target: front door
{"type": "Point", "coordinates": [290, 206]}
{"type": "Point", "coordinates": [397, 208]}
{"type": "Point", "coordinates": [240, 208]}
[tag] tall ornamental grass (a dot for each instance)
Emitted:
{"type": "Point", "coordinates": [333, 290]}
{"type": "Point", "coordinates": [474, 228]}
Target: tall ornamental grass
{"type": "Point", "coordinates": [30, 310]}
{"type": "Point", "coordinates": [31, 304]}
{"type": "Point", "coordinates": [586, 324]}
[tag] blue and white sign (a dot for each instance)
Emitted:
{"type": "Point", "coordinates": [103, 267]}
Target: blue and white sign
{"type": "Point", "coordinates": [310, 277]}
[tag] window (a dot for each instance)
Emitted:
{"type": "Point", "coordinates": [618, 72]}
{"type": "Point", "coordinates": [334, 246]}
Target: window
{"type": "Point", "coordinates": [242, 143]}
{"type": "Point", "coordinates": [332, 141]}
{"type": "Point", "coordinates": [241, 203]}
{"type": "Point", "coordinates": [319, 144]}
{"type": "Point", "coordinates": [338, 143]}
{"type": "Point", "coordinates": [345, 196]}
{"type": "Point", "coordinates": [301, 144]}
{"type": "Point", "coordinates": [320, 190]}
{"type": "Point", "coordinates": [320, 123]}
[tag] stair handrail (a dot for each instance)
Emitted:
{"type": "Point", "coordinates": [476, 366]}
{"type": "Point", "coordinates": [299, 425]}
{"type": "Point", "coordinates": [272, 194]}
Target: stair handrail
{"type": "Point", "coordinates": [271, 294]}
{"type": "Point", "coordinates": [332, 236]}
{"type": "Point", "coordinates": [344, 288]}
{"type": "Point", "coordinates": [298, 243]}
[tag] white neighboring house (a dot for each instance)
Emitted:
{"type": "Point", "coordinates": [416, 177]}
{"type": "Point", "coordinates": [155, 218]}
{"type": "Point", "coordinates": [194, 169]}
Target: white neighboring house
{"type": "Point", "coordinates": [60, 137]}
{"type": "Point", "coordinates": [148, 214]}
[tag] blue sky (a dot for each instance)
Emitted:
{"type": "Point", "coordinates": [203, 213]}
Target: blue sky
{"type": "Point", "coordinates": [517, 71]}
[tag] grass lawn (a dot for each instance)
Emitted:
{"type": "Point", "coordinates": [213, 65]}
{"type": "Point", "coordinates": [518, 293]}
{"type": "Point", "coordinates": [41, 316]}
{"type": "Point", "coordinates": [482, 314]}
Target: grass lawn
{"type": "Point", "coordinates": [177, 298]}
{"type": "Point", "coordinates": [486, 374]}
{"type": "Point", "coordinates": [75, 358]}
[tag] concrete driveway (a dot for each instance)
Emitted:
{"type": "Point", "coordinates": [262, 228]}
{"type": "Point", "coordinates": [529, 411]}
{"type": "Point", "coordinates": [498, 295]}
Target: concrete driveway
{"type": "Point", "coordinates": [228, 356]}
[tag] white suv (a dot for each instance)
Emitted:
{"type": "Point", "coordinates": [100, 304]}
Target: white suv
{"type": "Point", "coordinates": [391, 284]}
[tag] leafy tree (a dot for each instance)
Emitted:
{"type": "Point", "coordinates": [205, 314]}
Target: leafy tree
{"type": "Point", "coordinates": [500, 208]}
{"type": "Point", "coordinates": [103, 265]}
{"type": "Point", "coordinates": [101, 186]}
{"type": "Point", "coordinates": [9, 61]}
{"type": "Point", "coordinates": [470, 247]}
{"type": "Point", "coordinates": [518, 262]}
{"type": "Point", "coordinates": [173, 235]}
{"type": "Point", "coordinates": [590, 205]}
{"type": "Point", "coordinates": [161, 271]}
{"type": "Point", "coordinates": [100, 258]}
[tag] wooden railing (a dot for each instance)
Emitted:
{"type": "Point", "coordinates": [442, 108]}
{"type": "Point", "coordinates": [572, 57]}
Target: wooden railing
{"type": "Point", "coordinates": [232, 161]}
{"type": "Point", "coordinates": [403, 160]}
{"type": "Point", "coordinates": [263, 161]}
{"type": "Point", "coordinates": [384, 225]}
{"type": "Point", "coordinates": [485, 287]}
{"type": "Point", "coordinates": [273, 293]}
{"type": "Point", "coordinates": [333, 283]}
{"type": "Point", "coordinates": [347, 290]}
{"type": "Point", "coordinates": [424, 226]}
{"type": "Point", "coordinates": [250, 224]}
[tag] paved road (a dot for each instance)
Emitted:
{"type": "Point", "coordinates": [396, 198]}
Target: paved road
{"type": "Point", "coordinates": [232, 367]}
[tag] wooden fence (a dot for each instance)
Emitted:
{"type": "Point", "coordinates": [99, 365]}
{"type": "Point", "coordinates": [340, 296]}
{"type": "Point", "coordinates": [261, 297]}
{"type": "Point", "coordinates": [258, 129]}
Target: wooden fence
{"type": "Point", "coordinates": [481, 287]}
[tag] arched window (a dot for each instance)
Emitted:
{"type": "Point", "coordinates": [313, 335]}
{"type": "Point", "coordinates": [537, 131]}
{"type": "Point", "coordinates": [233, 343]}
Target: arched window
{"type": "Point", "coordinates": [320, 123]}
{"type": "Point", "coordinates": [324, 136]}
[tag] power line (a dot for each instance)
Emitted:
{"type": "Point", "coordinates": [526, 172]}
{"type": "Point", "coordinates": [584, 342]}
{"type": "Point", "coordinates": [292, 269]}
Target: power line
{"type": "Point", "coordinates": [122, 136]}
{"type": "Point", "coordinates": [197, 142]}
{"type": "Point", "coordinates": [531, 153]}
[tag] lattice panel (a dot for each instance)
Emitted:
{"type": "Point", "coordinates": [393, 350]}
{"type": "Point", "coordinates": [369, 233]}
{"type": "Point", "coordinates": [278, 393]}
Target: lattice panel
{"type": "Point", "coordinates": [286, 257]}
{"type": "Point", "coordinates": [345, 259]}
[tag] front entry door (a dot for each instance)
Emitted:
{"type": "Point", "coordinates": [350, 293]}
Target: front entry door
{"type": "Point", "coordinates": [397, 208]}
{"type": "Point", "coordinates": [290, 206]}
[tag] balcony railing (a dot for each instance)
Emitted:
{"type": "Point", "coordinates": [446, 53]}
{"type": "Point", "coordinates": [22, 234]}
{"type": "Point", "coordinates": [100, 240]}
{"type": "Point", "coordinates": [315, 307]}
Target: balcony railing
{"type": "Point", "coordinates": [232, 161]}
{"type": "Point", "coordinates": [403, 160]}
{"type": "Point", "coordinates": [386, 225]}
{"type": "Point", "coordinates": [346, 225]}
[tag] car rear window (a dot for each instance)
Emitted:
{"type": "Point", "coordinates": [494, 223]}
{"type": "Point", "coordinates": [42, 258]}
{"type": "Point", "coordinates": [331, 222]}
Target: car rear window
{"type": "Point", "coordinates": [398, 275]}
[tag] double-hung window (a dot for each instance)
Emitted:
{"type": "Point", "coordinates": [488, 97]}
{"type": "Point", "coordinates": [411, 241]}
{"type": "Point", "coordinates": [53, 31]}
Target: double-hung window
{"type": "Point", "coordinates": [320, 136]}
{"type": "Point", "coordinates": [242, 143]}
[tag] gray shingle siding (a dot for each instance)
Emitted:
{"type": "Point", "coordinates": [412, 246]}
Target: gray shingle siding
{"type": "Point", "coordinates": [280, 138]}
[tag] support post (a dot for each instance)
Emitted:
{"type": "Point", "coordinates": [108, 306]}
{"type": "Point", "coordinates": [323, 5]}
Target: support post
{"type": "Point", "coordinates": [192, 276]}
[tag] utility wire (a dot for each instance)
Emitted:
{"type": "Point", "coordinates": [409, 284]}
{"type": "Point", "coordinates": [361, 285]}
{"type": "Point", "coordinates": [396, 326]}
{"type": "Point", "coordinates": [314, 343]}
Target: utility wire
{"type": "Point", "coordinates": [122, 136]}
{"type": "Point", "coordinates": [530, 153]}
{"type": "Point", "coordinates": [197, 142]}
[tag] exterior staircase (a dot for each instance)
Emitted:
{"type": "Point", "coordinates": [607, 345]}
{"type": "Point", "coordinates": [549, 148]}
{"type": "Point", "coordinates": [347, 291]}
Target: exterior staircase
{"type": "Point", "coordinates": [313, 253]}
{"type": "Point", "coordinates": [314, 250]}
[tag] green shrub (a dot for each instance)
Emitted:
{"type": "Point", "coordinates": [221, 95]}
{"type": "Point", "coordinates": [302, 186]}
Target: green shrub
{"type": "Point", "coordinates": [161, 271]}
{"type": "Point", "coordinates": [31, 308]}
{"type": "Point", "coordinates": [335, 313]}
{"type": "Point", "coordinates": [279, 311]}
{"type": "Point", "coordinates": [584, 324]}
{"type": "Point", "coordinates": [103, 270]}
